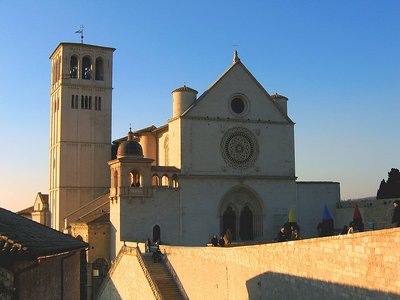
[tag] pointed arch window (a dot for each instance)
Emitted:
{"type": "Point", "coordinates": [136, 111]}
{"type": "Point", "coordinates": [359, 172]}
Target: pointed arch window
{"type": "Point", "coordinates": [86, 67]}
{"type": "Point", "coordinates": [73, 67]}
{"type": "Point", "coordinates": [241, 211]}
{"type": "Point", "coordinates": [99, 69]}
{"type": "Point", "coordinates": [246, 224]}
{"type": "Point", "coordinates": [229, 222]}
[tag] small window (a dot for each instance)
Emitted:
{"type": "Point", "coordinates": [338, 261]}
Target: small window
{"type": "Point", "coordinates": [82, 102]}
{"type": "Point", "coordinates": [165, 180]}
{"type": "Point", "coordinates": [90, 102]}
{"type": "Point", "coordinates": [175, 182]}
{"type": "Point", "coordinates": [74, 101]}
{"type": "Point", "coordinates": [97, 103]}
{"type": "Point", "coordinates": [99, 69]}
{"type": "Point", "coordinates": [155, 181]}
{"type": "Point", "coordinates": [86, 67]}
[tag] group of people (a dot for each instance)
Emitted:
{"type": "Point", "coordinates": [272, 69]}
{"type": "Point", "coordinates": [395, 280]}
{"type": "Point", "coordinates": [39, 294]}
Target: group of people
{"type": "Point", "coordinates": [289, 231]}
{"type": "Point", "coordinates": [225, 239]}
{"type": "Point", "coordinates": [154, 248]}
{"type": "Point", "coordinates": [354, 226]}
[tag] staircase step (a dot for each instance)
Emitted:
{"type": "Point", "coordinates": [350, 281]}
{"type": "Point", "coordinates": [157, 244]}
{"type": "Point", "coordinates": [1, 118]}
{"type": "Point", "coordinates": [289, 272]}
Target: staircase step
{"type": "Point", "coordinates": [162, 278]}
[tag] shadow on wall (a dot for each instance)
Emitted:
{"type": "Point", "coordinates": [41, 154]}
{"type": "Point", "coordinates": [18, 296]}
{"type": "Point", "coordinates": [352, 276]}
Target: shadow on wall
{"type": "Point", "coordinates": [109, 292]}
{"type": "Point", "coordinates": [272, 285]}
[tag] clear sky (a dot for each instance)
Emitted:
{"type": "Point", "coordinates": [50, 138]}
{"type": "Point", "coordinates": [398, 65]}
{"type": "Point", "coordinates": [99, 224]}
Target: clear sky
{"type": "Point", "coordinates": [337, 61]}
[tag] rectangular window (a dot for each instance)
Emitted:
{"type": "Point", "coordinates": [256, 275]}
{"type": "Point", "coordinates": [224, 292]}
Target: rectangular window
{"type": "Point", "coordinates": [76, 101]}
{"type": "Point", "coordinates": [82, 102]}
{"type": "Point", "coordinates": [86, 102]}
{"type": "Point", "coordinates": [73, 101]}
{"type": "Point", "coordinates": [95, 103]}
{"type": "Point", "coordinates": [90, 102]}
{"type": "Point", "coordinates": [99, 104]}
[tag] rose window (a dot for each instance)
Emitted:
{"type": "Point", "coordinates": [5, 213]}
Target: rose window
{"type": "Point", "coordinates": [239, 147]}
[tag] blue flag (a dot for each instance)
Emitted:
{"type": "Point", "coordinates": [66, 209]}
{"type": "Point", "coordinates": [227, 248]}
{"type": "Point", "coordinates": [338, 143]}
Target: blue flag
{"type": "Point", "coordinates": [326, 215]}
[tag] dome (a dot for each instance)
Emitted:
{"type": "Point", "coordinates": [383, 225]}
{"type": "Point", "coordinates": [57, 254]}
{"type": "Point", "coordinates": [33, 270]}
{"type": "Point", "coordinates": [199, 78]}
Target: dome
{"type": "Point", "coordinates": [185, 89]}
{"type": "Point", "coordinates": [130, 147]}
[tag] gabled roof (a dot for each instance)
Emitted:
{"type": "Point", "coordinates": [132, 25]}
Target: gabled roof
{"type": "Point", "coordinates": [102, 217]}
{"type": "Point", "coordinates": [43, 199]}
{"type": "Point", "coordinates": [21, 238]}
{"type": "Point", "coordinates": [234, 65]}
{"type": "Point", "coordinates": [97, 206]}
{"type": "Point", "coordinates": [25, 211]}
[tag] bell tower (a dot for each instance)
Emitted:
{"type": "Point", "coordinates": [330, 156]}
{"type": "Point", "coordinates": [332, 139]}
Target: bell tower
{"type": "Point", "coordinates": [80, 127]}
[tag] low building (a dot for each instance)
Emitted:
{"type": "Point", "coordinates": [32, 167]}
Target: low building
{"type": "Point", "coordinates": [39, 262]}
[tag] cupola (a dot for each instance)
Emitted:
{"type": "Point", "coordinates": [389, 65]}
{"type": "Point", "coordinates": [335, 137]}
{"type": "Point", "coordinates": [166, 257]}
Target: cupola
{"type": "Point", "coordinates": [130, 148]}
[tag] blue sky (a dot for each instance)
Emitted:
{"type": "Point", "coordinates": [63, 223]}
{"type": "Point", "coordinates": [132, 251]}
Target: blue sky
{"type": "Point", "coordinates": [338, 62]}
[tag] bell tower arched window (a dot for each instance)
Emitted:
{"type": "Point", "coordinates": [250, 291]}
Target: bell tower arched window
{"type": "Point", "coordinates": [86, 67]}
{"type": "Point", "coordinates": [73, 67]}
{"type": "Point", "coordinates": [99, 69]}
{"type": "Point", "coordinates": [135, 178]}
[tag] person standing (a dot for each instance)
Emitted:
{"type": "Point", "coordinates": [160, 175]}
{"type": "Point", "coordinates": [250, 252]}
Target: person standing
{"type": "Point", "coordinates": [396, 213]}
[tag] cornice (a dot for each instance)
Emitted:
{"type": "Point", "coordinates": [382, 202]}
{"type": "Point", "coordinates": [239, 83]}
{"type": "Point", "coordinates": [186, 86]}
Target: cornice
{"type": "Point", "coordinates": [236, 177]}
{"type": "Point", "coordinates": [238, 120]}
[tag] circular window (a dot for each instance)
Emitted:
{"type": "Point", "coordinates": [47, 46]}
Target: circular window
{"type": "Point", "coordinates": [237, 105]}
{"type": "Point", "coordinates": [239, 148]}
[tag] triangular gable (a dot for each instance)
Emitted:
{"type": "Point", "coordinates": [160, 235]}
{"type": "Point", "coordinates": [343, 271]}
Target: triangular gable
{"type": "Point", "coordinates": [41, 202]}
{"type": "Point", "coordinates": [217, 83]}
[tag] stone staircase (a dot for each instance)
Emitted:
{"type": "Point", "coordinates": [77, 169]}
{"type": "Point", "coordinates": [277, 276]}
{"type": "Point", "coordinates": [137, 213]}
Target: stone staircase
{"type": "Point", "coordinates": [162, 278]}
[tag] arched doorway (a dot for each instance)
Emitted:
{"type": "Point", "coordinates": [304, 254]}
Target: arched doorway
{"type": "Point", "coordinates": [156, 234]}
{"type": "Point", "coordinates": [229, 222]}
{"type": "Point", "coordinates": [99, 272]}
{"type": "Point", "coordinates": [241, 211]}
{"type": "Point", "coordinates": [246, 224]}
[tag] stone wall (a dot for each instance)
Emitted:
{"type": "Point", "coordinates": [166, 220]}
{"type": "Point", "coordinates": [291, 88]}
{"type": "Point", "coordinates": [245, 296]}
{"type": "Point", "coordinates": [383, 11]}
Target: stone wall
{"type": "Point", "coordinates": [55, 277]}
{"type": "Point", "coordinates": [354, 266]}
{"type": "Point", "coordinates": [376, 213]}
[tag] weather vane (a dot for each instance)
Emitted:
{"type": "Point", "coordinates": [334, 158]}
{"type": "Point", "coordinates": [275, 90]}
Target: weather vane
{"type": "Point", "coordinates": [81, 32]}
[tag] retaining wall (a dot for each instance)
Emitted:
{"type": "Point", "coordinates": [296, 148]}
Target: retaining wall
{"type": "Point", "coordinates": [358, 266]}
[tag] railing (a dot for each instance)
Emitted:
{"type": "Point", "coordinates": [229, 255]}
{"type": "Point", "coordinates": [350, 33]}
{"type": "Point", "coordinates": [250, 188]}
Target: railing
{"type": "Point", "coordinates": [153, 285]}
{"type": "Point", "coordinates": [175, 277]}
{"type": "Point", "coordinates": [146, 191]}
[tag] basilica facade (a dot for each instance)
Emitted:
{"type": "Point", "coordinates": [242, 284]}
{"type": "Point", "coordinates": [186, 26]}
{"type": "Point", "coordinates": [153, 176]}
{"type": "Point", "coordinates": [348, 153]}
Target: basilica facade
{"type": "Point", "coordinates": [223, 160]}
